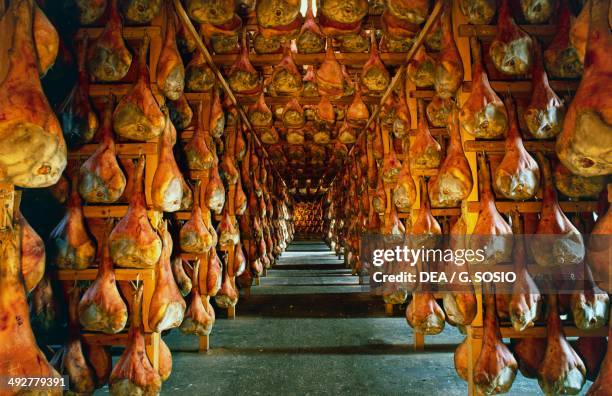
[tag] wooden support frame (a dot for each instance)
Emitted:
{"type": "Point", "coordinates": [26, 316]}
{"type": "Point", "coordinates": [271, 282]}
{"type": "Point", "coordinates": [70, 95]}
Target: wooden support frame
{"type": "Point", "coordinates": [147, 276]}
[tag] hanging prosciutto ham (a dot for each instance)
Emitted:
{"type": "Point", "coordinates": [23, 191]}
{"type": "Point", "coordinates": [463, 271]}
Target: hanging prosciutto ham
{"type": "Point", "coordinates": [414, 11]}
{"type": "Point", "coordinates": [495, 368]}
{"type": "Point", "coordinates": [79, 120]}
{"type": "Point", "coordinates": [598, 253]}
{"type": "Point", "coordinates": [180, 112]}
{"type": "Point", "coordinates": [438, 111]}
{"type": "Point", "coordinates": [453, 182]}
{"type": "Point", "coordinates": [374, 75]}
{"type": "Point", "coordinates": [197, 153]}
{"type": "Point", "coordinates": [134, 373]}
{"type": "Point", "coordinates": [584, 143]}
{"type": "Point", "coordinates": [426, 152]}
{"type": "Point", "coordinates": [170, 68]}
{"type": "Point", "coordinates": [101, 308]}
{"type": "Point", "coordinates": [137, 115]}
{"type": "Point", "coordinates": [478, 12]}
{"type": "Point", "coordinates": [194, 236]}
{"type": "Point", "coordinates": [448, 75]}
{"type": "Point", "coordinates": [216, 12]}
{"type": "Point", "coordinates": [404, 192]}
{"type": "Point", "coordinates": [199, 77]}
{"type": "Point", "coordinates": [278, 18]}
{"type": "Point", "coordinates": [180, 276]}
{"type": "Point", "coordinates": [577, 187]}
{"type": "Point", "coordinates": [200, 316]}
{"type": "Point", "coordinates": [517, 177]}
{"type": "Point", "coordinates": [537, 11]}
{"type": "Point", "coordinates": [561, 370]}
{"type": "Point", "coordinates": [483, 115]}
{"type": "Point", "coordinates": [293, 115]}
{"type": "Point", "coordinates": [544, 114]}
{"type": "Point", "coordinates": [133, 242]}
{"type": "Point", "coordinates": [330, 80]}
{"type": "Point", "coordinates": [32, 148]}
{"type": "Point", "coordinates": [310, 40]}
{"type": "Point", "coordinates": [19, 352]}
{"type": "Point", "coordinates": [101, 180]}
{"type": "Point", "coordinates": [561, 242]}
{"type": "Point", "coordinates": [89, 11]}
{"type": "Point", "coordinates": [108, 58]}
{"type": "Point", "coordinates": [560, 57]}
{"type": "Point", "coordinates": [491, 230]}
{"type": "Point", "coordinates": [32, 253]}
{"type": "Point", "coordinates": [140, 12]}
{"type": "Point", "coordinates": [511, 50]}
{"type": "Point", "coordinates": [167, 306]}
{"type": "Point", "coordinates": [242, 76]}
{"type": "Point", "coordinates": [421, 69]}
{"type": "Point", "coordinates": [74, 247]}
{"type": "Point", "coordinates": [168, 189]}
{"type": "Point", "coordinates": [286, 78]}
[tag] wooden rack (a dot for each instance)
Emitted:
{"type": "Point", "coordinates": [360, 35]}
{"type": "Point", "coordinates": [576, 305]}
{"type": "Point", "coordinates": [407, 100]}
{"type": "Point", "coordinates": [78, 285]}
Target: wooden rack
{"type": "Point", "coordinates": [147, 277]}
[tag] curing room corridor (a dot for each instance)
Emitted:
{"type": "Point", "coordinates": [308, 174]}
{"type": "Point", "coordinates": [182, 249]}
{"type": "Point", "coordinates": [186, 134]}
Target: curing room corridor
{"type": "Point", "coordinates": [310, 328]}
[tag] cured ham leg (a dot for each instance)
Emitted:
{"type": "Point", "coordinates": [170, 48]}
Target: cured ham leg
{"type": "Point", "coordinates": [32, 147]}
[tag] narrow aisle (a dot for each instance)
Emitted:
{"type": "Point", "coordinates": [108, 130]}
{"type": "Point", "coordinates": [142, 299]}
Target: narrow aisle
{"type": "Point", "coordinates": [310, 328]}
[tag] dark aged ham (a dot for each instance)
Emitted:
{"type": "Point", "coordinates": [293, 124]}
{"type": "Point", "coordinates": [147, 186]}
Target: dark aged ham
{"type": "Point", "coordinates": [101, 180]}
{"type": "Point", "coordinates": [19, 353]}
{"type": "Point", "coordinates": [108, 58]}
{"type": "Point", "coordinates": [560, 57]}
{"type": "Point", "coordinates": [90, 11]}
{"type": "Point", "coordinates": [584, 143]}
{"type": "Point", "coordinates": [483, 114]}
{"type": "Point", "coordinates": [75, 248]}
{"type": "Point", "coordinates": [133, 242]}
{"type": "Point", "coordinates": [137, 115]}
{"type": "Point", "coordinates": [517, 177]}
{"type": "Point", "coordinates": [79, 120]}
{"type": "Point", "coordinates": [180, 112]}
{"type": "Point", "coordinates": [453, 182]}
{"type": "Point", "coordinates": [592, 351]}
{"type": "Point", "coordinates": [511, 50]}
{"type": "Point", "coordinates": [32, 148]}
{"type": "Point", "coordinates": [537, 11]}
{"type": "Point", "coordinates": [140, 11]}
{"type": "Point", "coordinates": [170, 68]}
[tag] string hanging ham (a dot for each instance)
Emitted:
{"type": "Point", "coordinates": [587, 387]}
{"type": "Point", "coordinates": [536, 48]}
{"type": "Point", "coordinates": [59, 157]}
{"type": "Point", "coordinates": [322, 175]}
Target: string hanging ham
{"type": "Point", "coordinates": [133, 242]}
{"type": "Point", "coordinates": [194, 236]}
{"type": "Point", "coordinates": [199, 77]}
{"type": "Point", "coordinates": [242, 76]}
{"type": "Point", "coordinates": [448, 75]}
{"type": "Point", "coordinates": [74, 247]}
{"type": "Point", "coordinates": [197, 153]}
{"type": "Point", "coordinates": [200, 316]}
{"type": "Point", "coordinates": [560, 57]}
{"type": "Point", "coordinates": [134, 373]}
{"type": "Point", "coordinates": [286, 78]}
{"type": "Point", "coordinates": [421, 69]}
{"type": "Point", "coordinates": [483, 115]}
{"type": "Point", "coordinates": [374, 75]}
{"type": "Point", "coordinates": [137, 115]}
{"type": "Point", "coordinates": [560, 242]}
{"type": "Point", "coordinates": [170, 68]}
{"type": "Point", "coordinates": [180, 276]}
{"type": "Point", "coordinates": [310, 40]}
{"type": "Point", "coordinates": [167, 307]}
{"type": "Point", "coordinates": [100, 177]}
{"type": "Point", "coordinates": [330, 81]}
{"type": "Point", "coordinates": [426, 152]}
{"type": "Point", "coordinates": [584, 143]}
{"type": "Point", "coordinates": [108, 58]}
{"type": "Point", "coordinates": [517, 177]}
{"type": "Point", "coordinates": [79, 120]}
{"type": "Point", "coordinates": [590, 305]}
{"type": "Point", "coordinates": [453, 182]}
{"type": "Point", "coordinates": [511, 50]}
{"type": "Point", "coordinates": [33, 150]}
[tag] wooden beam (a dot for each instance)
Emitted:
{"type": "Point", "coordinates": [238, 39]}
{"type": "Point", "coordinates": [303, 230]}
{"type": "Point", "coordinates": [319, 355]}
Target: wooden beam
{"type": "Point", "coordinates": [491, 30]}
{"type": "Point", "coordinates": [348, 59]}
{"type": "Point", "coordinates": [536, 206]}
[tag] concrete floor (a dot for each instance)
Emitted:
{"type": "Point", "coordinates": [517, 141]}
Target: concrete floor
{"type": "Point", "coordinates": [311, 329]}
